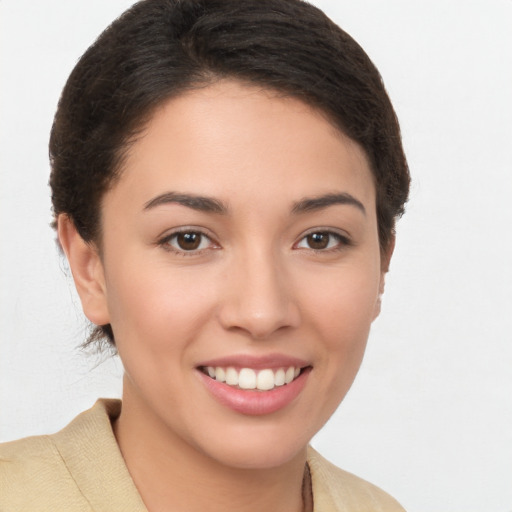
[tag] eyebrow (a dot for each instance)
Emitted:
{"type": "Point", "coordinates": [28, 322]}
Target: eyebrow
{"type": "Point", "coordinates": [200, 203]}
{"type": "Point", "coordinates": [309, 204]}
{"type": "Point", "coordinates": [212, 205]}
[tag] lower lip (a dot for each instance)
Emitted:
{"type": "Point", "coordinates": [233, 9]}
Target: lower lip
{"type": "Point", "coordinates": [253, 402]}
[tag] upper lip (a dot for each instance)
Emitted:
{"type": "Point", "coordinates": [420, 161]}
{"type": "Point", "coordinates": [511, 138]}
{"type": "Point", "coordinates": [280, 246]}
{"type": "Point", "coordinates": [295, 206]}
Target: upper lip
{"type": "Point", "coordinates": [256, 362]}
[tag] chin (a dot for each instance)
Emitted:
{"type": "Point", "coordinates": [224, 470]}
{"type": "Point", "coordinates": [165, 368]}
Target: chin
{"type": "Point", "coordinates": [258, 454]}
{"type": "Point", "coordinates": [255, 443]}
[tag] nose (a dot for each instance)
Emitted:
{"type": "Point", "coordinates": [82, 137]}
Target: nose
{"type": "Point", "coordinates": [258, 298]}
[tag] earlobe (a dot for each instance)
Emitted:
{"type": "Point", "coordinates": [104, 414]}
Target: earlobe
{"type": "Point", "coordinates": [387, 253]}
{"type": "Point", "coordinates": [87, 270]}
{"type": "Point", "coordinates": [385, 261]}
{"type": "Point", "coordinates": [377, 308]}
{"type": "Point", "coordinates": [378, 303]}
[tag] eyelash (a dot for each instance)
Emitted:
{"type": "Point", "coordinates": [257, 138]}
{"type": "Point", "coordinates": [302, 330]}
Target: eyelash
{"type": "Point", "coordinates": [165, 242]}
{"type": "Point", "coordinates": [342, 241]}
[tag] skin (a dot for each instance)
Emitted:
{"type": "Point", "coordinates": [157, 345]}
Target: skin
{"type": "Point", "coordinates": [254, 287]}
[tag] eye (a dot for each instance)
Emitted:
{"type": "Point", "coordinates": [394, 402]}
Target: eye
{"type": "Point", "coordinates": [187, 241]}
{"type": "Point", "coordinates": [322, 240]}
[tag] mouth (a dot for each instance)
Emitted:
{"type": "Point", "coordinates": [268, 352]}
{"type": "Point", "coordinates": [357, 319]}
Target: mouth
{"type": "Point", "coordinates": [255, 385]}
{"type": "Point", "coordinates": [264, 379]}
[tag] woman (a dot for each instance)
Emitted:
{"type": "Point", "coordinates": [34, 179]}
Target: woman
{"type": "Point", "coordinates": [226, 176]}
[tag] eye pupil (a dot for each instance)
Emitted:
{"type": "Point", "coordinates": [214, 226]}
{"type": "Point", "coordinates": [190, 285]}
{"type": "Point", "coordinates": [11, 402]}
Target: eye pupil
{"type": "Point", "coordinates": [318, 240]}
{"type": "Point", "coordinates": [189, 241]}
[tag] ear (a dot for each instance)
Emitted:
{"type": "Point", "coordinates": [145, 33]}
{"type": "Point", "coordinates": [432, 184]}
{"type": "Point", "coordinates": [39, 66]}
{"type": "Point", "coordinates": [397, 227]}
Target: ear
{"type": "Point", "coordinates": [87, 269]}
{"type": "Point", "coordinates": [385, 260]}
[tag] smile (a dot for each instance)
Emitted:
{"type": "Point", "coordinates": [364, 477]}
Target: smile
{"type": "Point", "coordinates": [250, 379]}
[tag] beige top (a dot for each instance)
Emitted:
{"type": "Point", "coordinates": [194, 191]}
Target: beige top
{"type": "Point", "coordinates": [81, 469]}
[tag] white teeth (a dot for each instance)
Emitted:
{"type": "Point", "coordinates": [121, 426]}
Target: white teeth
{"type": "Point", "coordinates": [279, 377]}
{"type": "Point", "coordinates": [266, 380]}
{"type": "Point", "coordinates": [220, 374]}
{"type": "Point", "coordinates": [247, 378]}
{"type": "Point", "coordinates": [231, 377]}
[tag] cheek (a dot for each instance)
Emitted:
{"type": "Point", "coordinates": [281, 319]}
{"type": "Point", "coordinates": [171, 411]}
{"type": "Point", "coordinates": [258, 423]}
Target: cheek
{"type": "Point", "coordinates": [344, 302]}
{"type": "Point", "coordinates": [341, 317]}
{"type": "Point", "coordinates": [156, 306]}
{"type": "Point", "coordinates": [156, 316]}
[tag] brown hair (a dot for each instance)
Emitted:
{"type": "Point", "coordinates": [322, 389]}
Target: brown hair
{"type": "Point", "coordinates": [160, 48]}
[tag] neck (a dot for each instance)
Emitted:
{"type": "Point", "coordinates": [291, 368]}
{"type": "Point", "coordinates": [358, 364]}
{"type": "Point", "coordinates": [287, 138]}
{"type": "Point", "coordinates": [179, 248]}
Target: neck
{"type": "Point", "coordinates": [170, 474]}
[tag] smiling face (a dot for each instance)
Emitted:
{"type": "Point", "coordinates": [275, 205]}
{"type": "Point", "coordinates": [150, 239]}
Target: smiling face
{"type": "Point", "coordinates": [240, 243]}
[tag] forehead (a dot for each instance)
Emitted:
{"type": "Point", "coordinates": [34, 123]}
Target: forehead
{"type": "Point", "coordinates": [229, 138]}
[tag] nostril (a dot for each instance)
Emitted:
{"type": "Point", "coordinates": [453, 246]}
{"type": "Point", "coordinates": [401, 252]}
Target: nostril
{"type": "Point", "coordinates": [259, 323]}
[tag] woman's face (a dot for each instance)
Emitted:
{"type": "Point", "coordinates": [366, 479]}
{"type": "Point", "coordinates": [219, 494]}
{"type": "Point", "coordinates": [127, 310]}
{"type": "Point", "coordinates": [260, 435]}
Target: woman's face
{"type": "Point", "coordinates": [240, 241]}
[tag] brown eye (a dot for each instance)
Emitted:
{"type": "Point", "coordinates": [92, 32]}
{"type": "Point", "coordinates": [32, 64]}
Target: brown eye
{"type": "Point", "coordinates": [318, 241]}
{"type": "Point", "coordinates": [323, 241]}
{"type": "Point", "coordinates": [187, 241]}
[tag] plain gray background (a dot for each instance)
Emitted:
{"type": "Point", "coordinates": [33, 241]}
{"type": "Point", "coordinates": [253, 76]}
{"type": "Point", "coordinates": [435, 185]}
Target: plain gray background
{"type": "Point", "coordinates": [429, 417]}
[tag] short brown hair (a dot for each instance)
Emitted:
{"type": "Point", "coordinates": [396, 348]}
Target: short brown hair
{"type": "Point", "coordinates": [161, 48]}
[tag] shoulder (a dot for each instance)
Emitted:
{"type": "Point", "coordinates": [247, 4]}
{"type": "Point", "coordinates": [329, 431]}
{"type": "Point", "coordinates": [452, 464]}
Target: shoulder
{"type": "Point", "coordinates": [32, 470]}
{"type": "Point", "coordinates": [335, 490]}
{"type": "Point", "coordinates": [79, 468]}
